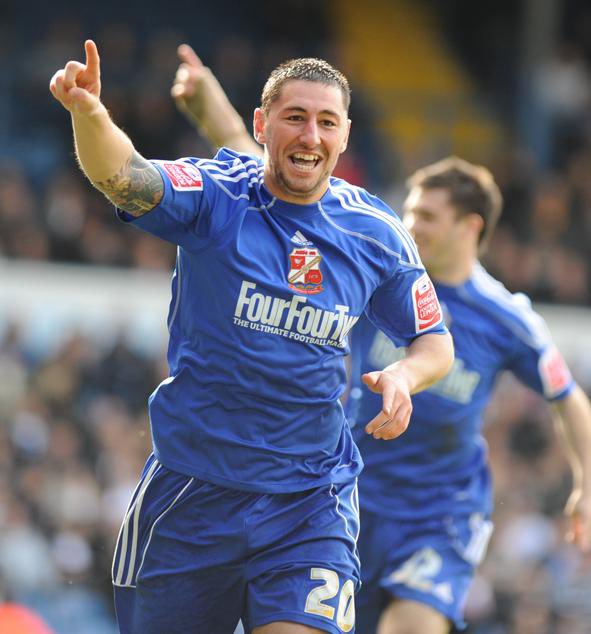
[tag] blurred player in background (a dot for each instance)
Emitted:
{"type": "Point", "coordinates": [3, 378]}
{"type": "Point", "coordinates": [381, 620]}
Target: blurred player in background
{"type": "Point", "coordinates": [248, 506]}
{"type": "Point", "coordinates": [426, 499]}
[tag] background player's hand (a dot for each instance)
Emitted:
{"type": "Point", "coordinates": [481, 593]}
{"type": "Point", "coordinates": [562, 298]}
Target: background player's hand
{"type": "Point", "coordinates": [397, 405]}
{"type": "Point", "coordinates": [77, 86]}
{"type": "Point", "coordinates": [578, 510]}
{"type": "Point", "coordinates": [190, 82]}
{"type": "Point", "coordinates": [199, 96]}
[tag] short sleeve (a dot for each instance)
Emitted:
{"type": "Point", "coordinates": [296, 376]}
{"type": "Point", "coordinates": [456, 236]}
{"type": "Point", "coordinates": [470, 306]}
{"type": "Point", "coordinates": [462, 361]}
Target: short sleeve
{"type": "Point", "coordinates": [538, 363]}
{"type": "Point", "coordinates": [181, 217]}
{"type": "Point", "coordinates": [406, 306]}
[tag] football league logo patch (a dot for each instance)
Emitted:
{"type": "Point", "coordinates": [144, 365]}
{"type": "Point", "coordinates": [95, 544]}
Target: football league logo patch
{"type": "Point", "coordinates": [554, 372]}
{"type": "Point", "coordinates": [183, 176]}
{"type": "Point", "coordinates": [304, 274]}
{"type": "Point", "coordinates": [426, 305]}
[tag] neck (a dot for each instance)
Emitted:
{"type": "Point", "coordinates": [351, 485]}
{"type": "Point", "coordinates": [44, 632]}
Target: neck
{"type": "Point", "coordinates": [454, 273]}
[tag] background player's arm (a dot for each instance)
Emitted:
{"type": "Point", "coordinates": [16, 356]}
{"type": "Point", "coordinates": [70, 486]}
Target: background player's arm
{"type": "Point", "coordinates": [199, 96]}
{"type": "Point", "coordinates": [428, 359]}
{"type": "Point", "coordinates": [572, 419]}
{"type": "Point", "coordinates": [104, 151]}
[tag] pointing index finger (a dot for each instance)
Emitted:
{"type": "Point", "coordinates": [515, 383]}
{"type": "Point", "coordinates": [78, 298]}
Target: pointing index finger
{"type": "Point", "coordinates": [93, 61]}
{"type": "Point", "coordinates": [188, 55]}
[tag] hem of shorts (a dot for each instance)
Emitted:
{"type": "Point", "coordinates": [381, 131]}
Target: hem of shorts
{"type": "Point", "coordinates": [401, 592]}
{"type": "Point", "coordinates": [344, 475]}
{"type": "Point", "coordinates": [302, 619]}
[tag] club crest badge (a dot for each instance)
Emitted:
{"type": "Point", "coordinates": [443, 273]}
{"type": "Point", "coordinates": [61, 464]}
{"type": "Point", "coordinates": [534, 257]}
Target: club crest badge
{"type": "Point", "coordinates": [304, 274]}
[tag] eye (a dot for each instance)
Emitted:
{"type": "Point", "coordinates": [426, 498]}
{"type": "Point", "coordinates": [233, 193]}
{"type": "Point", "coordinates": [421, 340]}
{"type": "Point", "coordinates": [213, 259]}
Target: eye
{"type": "Point", "coordinates": [295, 117]}
{"type": "Point", "coordinates": [328, 123]}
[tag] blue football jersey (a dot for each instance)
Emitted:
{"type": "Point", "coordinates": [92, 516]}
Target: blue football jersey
{"type": "Point", "coordinates": [264, 294]}
{"type": "Point", "coordinates": [439, 464]}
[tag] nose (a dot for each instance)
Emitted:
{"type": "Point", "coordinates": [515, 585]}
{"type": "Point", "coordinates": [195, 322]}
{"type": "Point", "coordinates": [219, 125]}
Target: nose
{"type": "Point", "coordinates": [310, 136]}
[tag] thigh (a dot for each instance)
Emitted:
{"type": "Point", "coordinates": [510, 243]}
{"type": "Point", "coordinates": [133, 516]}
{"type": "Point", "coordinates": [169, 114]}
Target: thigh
{"type": "Point", "coordinates": [435, 564]}
{"type": "Point", "coordinates": [403, 616]}
{"type": "Point", "coordinates": [308, 570]}
{"type": "Point", "coordinates": [377, 541]}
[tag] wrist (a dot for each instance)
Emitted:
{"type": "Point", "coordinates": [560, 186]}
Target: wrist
{"type": "Point", "coordinates": [231, 136]}
{"type": "Point", "coordinates": [97, 116]}
{"type": "Point", "coordinates": [399, 371]}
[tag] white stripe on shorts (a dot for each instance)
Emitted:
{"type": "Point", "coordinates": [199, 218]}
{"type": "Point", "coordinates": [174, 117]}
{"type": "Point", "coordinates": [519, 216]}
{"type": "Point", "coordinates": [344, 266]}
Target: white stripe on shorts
{"type": "Point", "coordinates": [166, 510]}
{"type": "Point", "coordinates": [134, 510]}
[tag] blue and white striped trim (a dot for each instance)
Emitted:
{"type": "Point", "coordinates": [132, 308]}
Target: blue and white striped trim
{"type": "Point", "coordinates": [129, 530]}
{"type": "Point", "coordinates": [233, 173]}
{"type": "Point", "coordinates": [228, 169]}
{"type": "Point", "coordinates": [178, 289]}
{"type": "Point", "coordinates": [481, 530]}
{"type": "Point", "coordinates": [351, 200]}
{"type": "Point", "coordinates": [354, 500]}
{"type": "Point", "coordinates": [356, 234]}
{"type": "Point", "coordinates": [126, 551]}
{"type": "Point", "coordinates": [514, 312]}
{"type": "Point", "coordinates": [221, 173]}
{"type": "Point", "coordinates": [159, 518]}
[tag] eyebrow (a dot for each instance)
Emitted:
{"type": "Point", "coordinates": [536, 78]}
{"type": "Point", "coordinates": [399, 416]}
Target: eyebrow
{"type": "Point", "coordinates": [323, 112]}
{"type": "Point", "coordinates": [418, 209]}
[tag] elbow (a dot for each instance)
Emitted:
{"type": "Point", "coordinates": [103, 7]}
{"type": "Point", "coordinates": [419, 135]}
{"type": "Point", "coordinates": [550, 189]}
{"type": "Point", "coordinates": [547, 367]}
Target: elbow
{"type": "Point", "coordinates": [447, 356]}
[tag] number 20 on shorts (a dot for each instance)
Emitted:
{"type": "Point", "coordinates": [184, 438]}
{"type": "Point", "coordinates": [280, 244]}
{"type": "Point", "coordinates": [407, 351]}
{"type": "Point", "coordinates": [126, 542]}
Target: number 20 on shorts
{"type": "Point", "coordinates": [345, 612]}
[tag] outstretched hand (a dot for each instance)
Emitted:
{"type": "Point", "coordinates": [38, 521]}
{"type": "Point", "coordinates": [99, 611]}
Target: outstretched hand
{"type": "Point", "coordinates": [578, 510]}
{"type": "Point", "coordinates": [77, 86]}
{"type": "Point", "coordinates": [397, 405]}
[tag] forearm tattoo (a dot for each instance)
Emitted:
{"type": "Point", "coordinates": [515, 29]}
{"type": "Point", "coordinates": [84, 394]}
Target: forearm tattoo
{"type": "Point", "coordinates": [136, 188]}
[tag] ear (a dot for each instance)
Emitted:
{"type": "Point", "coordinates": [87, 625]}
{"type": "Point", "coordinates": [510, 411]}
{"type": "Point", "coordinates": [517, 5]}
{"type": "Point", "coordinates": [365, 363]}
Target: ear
{"type": "Point", "coordinates": [476, 223]}
{"type": "Point", "coordinates": [258, 126]}
{"type": "Point", "coordinates": [346, 139]}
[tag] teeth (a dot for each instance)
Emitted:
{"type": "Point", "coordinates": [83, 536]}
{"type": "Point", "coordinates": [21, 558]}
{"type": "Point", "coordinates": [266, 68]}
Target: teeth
{"type": "Point", "coordinates": [305, 168]}
{"type": "Point", "coordinates": [305, 157]}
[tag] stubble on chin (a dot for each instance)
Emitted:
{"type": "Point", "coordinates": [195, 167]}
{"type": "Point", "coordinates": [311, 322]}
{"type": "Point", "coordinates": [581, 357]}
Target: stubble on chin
{"type": "Point", "coordinates": [300, 192]}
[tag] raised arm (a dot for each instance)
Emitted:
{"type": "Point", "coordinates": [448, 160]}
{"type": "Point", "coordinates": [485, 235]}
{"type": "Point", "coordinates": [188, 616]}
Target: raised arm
{"type": "Point", "coordinates": [105, 153]}
{"type": "Point", "coordinates": [572, 419]}
{"type": "Point", "coordinates": [199, 96]}
{"type": "Point", "coordinates": [428, 359]}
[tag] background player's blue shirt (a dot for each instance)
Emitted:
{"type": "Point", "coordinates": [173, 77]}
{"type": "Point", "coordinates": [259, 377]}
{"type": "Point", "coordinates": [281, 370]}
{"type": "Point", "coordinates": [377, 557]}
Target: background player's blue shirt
{"type": "Point", "coordinates": [263, 296]}
{"type": "Point", "coordinates": [439, 464]}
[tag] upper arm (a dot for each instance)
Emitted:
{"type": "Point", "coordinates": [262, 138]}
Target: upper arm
{"type": "Point", "coordinates": [440, 343]}
{"type": "Point", "coordinates": [575, 403]}
{"type": "Point", "coordinates": [137, 188]}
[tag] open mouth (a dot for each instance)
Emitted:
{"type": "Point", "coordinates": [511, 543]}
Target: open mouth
{"type": "Point", "coordinates": [304, 162]}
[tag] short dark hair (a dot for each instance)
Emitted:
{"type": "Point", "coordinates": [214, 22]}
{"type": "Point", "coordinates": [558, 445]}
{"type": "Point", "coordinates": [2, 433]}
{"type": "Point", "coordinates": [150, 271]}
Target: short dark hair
{"type": "Point", "coordinates": [472, 189]}
{"type": "Point", "coordinates": [306, 69]}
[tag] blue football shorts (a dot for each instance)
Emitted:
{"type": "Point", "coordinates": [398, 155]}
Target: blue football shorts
{"type": "Point", "coordinates": [195, 558]}
{"type": "Point", "coordinates": [431, 561]}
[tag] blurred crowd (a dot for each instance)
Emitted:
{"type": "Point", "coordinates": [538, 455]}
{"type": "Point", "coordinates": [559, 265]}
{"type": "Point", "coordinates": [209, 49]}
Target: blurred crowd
{"type": "Point", "coordinates": [73, 423]}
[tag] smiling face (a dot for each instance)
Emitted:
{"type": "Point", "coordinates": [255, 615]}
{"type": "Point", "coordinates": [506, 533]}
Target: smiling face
{"type": "Point", "coordinates": [304, 132]}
